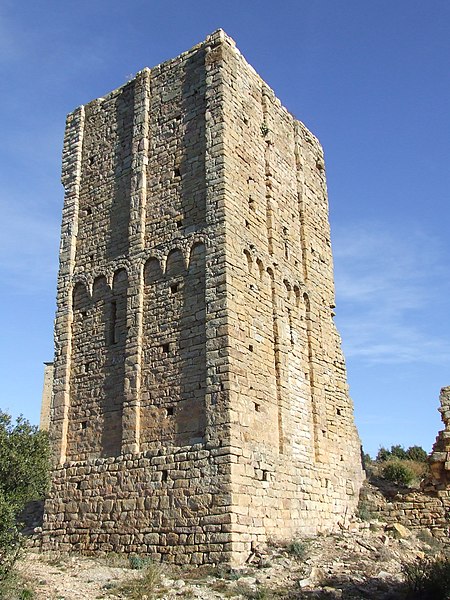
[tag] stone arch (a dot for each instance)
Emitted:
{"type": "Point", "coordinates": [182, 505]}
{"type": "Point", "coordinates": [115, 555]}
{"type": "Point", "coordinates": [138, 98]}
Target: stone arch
{"type": "Point", "coordinates": [288, 289]}
{"type": "Point", "coordinates": [297, 295]}
{"type": "Point", "coordinates": [306, 303]}
{"type": "Point", "coordinates": [120, 278]}
{"type": "Point", "coordinates": [175, 263]}
{"type": "Point", "coordinates": [260, 267]}
{"type": "Point", "coordinates": [100, 288]}
{"type": "Point", "coordinates": [117, 309]}
{"type": "Point", "coordinates": [152, 270]}
{"type": "Point", "coordinates": [197, 257]}
{"type": "Point", "coordinates": [80, 297]}
{"type": "Point", "coordinates": [248, 256]}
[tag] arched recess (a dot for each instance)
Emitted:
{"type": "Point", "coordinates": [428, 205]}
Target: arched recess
{"type": "Point", "coordinates": [175, 265]}
{"type": "Point", "coordinates": [100, 289]}
{"type": "Point", "coordinates": [79, 370]}
{"type": "Point", "coordinates": [173, 351]}
{"type": "Point", "coordinates": [152, 271]}
{"type": "Point", "coordinates": [80, 298]}
{"type": "Point", "coordinates": [97, 372]}
{"type": "Point", "coordinates": [191, 415]}
{"type": "Point", "coordinates": [248, 256]}
{"type": "Point", "coordinates": [260, 267]}
{"type": "Point", "coordinates": [297, 295]}
{"type": "Point", "coordinates": [115, 338]}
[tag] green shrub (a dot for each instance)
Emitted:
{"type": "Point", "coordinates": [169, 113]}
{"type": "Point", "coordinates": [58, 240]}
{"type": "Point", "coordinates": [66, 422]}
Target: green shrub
{"type": "Point", "coordinates": [15, 587]}
{"type": "Point", "coordinates": [416, 453]}
{"type": "Point", "coordinates": [297, 548]}
{"type": "Point", "coordinates": [428, 579]}
{"type": "Point", "coordinates": [364, 512]}
{"type": "Point", "coordinates": [398, 452]}
{"type": "Point", "coordinates": [383, 455]}
{"type": "Point", "coordinates": [24, 473]}
{"type": "Point", "coordinates": [138, 562]}
{"type": "Point", "coordinates": [398, 473]}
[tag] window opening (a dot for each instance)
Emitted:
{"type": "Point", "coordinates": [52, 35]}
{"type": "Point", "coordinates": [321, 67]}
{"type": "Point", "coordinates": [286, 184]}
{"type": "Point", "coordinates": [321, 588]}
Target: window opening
{"type": "Point", "coordinates": [113, 323]}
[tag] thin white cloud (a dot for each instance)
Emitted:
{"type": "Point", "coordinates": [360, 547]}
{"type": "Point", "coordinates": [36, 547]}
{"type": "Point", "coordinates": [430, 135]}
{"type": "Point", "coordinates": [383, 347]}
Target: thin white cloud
{"type": "Point", "coordinates": [387, 285]}
{"type": "Point", "coordinates": [10, 43]}
{"type": "Point", "coordinates": [28, 249]}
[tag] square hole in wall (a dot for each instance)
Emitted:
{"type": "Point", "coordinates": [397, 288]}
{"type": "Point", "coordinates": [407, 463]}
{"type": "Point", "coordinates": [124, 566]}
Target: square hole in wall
{"type": "Point", "coordinates": [164, 475]}
{"type": "Point", "coordinates": [170, 411]}
{"type": "Point", "coordinates": [165, 348]}
{"type": "Point", "coordinates": [257, 407]}
{"type": "Point", "coordinates": [83, 425]}
{"type": "Point", "coordinates": [174, 288]}
{"type": "Point", "coordinates": [250, 347]}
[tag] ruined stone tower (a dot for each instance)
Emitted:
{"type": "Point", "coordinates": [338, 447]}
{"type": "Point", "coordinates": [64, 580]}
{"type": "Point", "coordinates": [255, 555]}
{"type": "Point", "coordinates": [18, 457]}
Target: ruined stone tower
{"type": "Point", "coordinates": [200, 400]}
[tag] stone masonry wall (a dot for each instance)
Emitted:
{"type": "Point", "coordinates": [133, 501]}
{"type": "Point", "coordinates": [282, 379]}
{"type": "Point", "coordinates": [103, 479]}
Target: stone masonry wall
{"type": "Point", "coordinates": [300, 469]}
{"type": "Point", "coordinates": [200, 402]}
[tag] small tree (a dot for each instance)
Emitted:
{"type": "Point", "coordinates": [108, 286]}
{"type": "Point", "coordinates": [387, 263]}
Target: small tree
{"type": "Point", "coordinates": [398, 472]}
{"type": "Point", "coordinates": [383, 454]}
{"type": "Point", "coordinates": [24, 474]}
{"type": "Point", "coordinates": [416, 453]}
{"type": "Point", "coordinates": [398, 452]}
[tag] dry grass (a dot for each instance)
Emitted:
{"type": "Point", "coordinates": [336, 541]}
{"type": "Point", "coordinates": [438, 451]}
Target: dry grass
{"type": "Point", "coordinates": [147, 586]}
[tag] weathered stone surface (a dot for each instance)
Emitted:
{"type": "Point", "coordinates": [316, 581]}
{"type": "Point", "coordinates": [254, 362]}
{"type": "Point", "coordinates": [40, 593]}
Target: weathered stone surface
{"type": "Point", "coordinates": [400, 531]}
{"type": "Point", "coordinates": [200, 401]}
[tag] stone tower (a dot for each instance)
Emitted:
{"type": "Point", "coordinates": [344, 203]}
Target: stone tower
{"type": "Point", "coordinates": [200, 402]}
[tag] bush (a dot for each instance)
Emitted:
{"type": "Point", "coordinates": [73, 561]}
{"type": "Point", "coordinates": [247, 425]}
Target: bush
{"type": "Point", "coordinates": [398, 452]}
{"type": "Point", "coordinates": [24, 471]}
{"type": "Point", "coordinates": [149, 585]}
{"type": "Point", "coordinates": [398, 473]}
{"type": "Point", "coordinates": [416, 453]}
{"type": "Point", "coordinates": [383, 455]}
{"type": "Point", "coordinates": [297, 548]}
{"type": "Point", "coordinates": [428, 579]}
{"type": "Point", "coordinates": [138, 562]}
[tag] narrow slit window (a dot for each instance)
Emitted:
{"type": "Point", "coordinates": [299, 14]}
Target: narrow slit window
{"type": "Point", "coordinates": [113, 323]}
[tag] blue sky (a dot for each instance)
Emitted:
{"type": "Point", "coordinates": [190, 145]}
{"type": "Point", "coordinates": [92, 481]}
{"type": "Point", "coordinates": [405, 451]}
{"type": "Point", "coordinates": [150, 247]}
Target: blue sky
{"type": "Point", "coordinates": [371, 79]}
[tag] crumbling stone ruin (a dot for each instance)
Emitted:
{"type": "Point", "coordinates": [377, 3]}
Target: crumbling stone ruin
{"type": "Point", "coordinates": [424, 508]}
{"type": "Point", "coordinates": [200, 403]}
{"type": "Point", "coordinates": [440, 455]}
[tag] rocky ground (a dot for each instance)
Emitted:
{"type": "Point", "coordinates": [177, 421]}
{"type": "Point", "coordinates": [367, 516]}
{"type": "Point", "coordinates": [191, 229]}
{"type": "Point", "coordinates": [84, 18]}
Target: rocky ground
{"type": "Point", "coordinates": [364, 562]}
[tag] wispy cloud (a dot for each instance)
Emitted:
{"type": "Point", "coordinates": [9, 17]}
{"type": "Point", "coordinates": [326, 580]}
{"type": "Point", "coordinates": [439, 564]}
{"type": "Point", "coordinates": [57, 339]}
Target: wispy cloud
{"type": "Point", "coordinates": [28, 249]}
{"type": "Point", "coordinates": [10, 46]}
{"type": "Point", "coordinates": [388, 284]}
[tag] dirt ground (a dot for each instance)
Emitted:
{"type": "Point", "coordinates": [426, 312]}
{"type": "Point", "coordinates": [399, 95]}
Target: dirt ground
{"type": "Point", "coordinates": [366, 562]}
